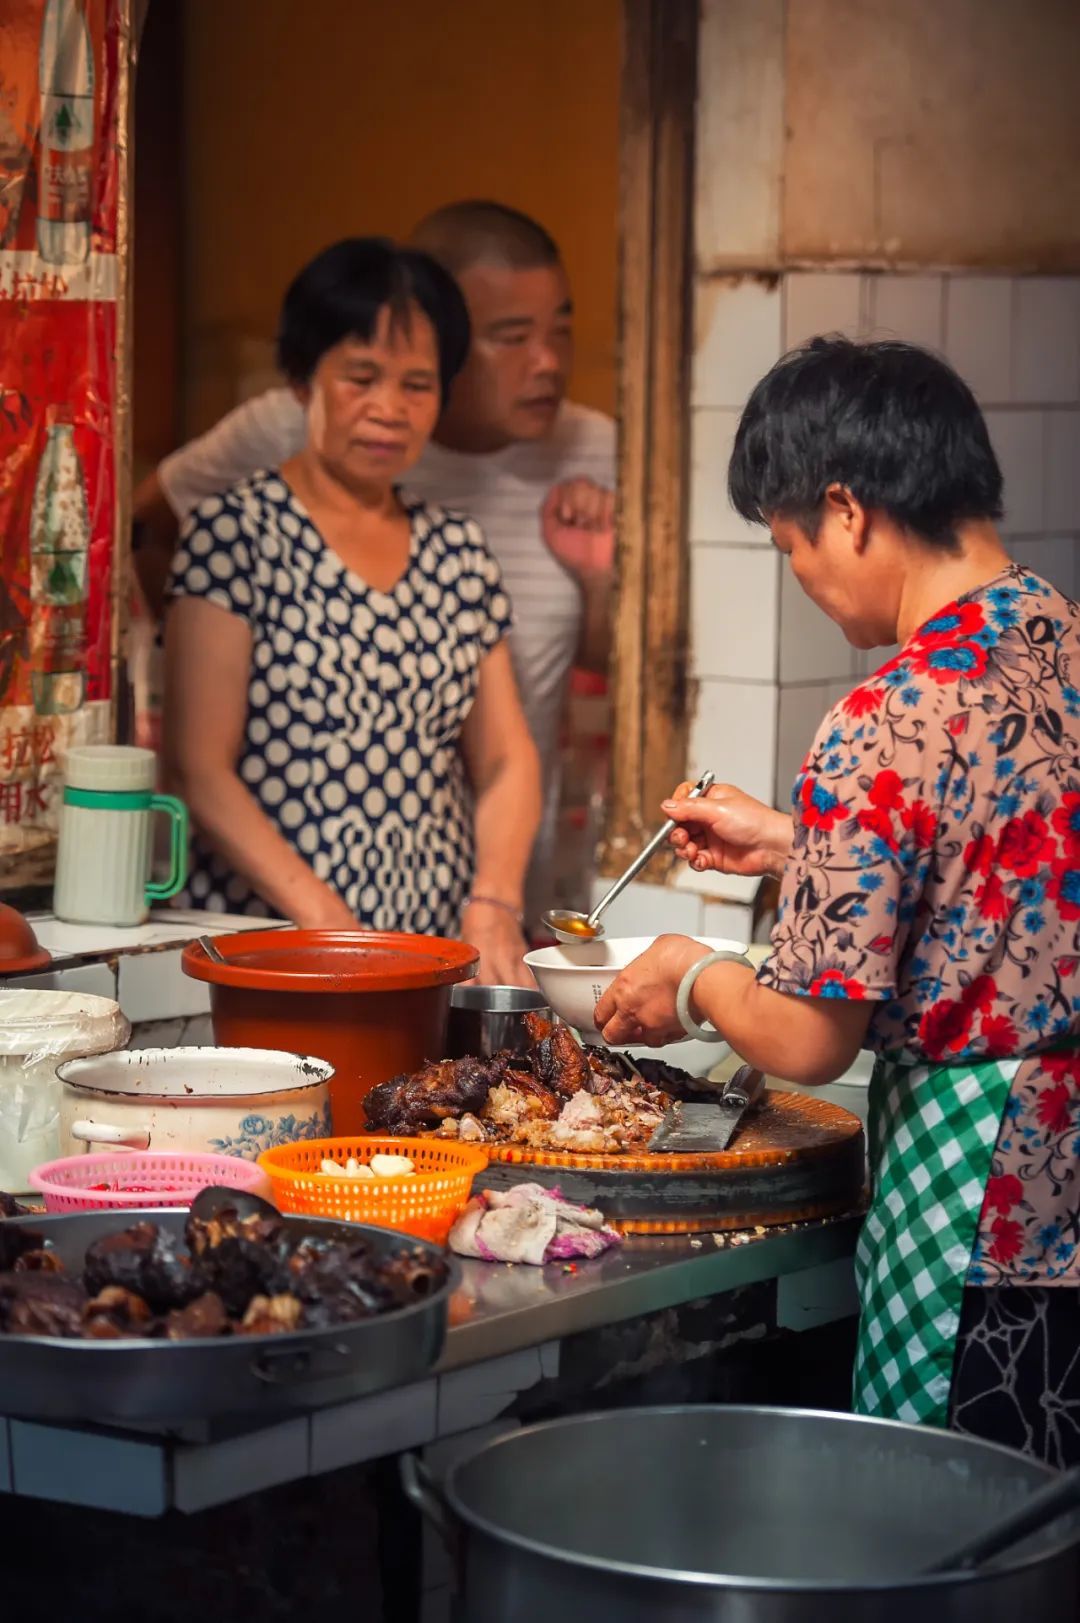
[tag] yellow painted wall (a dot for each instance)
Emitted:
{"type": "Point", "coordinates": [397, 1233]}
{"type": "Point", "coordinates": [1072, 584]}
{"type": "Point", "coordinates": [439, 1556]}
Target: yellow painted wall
{"type": "Point", "coordinates": [308, 120]}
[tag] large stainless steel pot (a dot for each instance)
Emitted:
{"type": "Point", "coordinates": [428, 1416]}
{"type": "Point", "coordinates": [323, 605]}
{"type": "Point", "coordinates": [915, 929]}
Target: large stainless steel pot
{"type": "Point", "coordinates": [741, 1515]}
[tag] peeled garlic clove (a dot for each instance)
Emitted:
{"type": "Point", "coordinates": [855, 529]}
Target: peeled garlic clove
{"type": "Point", "coordinates": [391, 1166]}
{"type": "Point", "coordinates": [330, 1167]}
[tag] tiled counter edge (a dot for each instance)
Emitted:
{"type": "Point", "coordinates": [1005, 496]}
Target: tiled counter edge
{"type": "Point", "coordinates": [147, 1475]}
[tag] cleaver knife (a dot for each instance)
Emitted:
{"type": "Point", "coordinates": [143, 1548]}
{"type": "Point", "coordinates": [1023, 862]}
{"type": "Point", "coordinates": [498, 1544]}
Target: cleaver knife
{"type": "Point", "coordinates": [705, 1129]}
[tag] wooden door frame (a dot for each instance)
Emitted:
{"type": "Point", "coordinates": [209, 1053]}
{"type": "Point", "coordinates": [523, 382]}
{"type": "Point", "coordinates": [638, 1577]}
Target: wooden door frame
{"type": "Point", "coordinates": [651, 685]}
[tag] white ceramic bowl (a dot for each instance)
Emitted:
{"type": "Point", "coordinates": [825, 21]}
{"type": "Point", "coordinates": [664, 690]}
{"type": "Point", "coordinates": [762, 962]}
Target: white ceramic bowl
{"type": "Point", "coordinates": [851, 1091]}
{"type": "Point", "coordinates": [573, 977]}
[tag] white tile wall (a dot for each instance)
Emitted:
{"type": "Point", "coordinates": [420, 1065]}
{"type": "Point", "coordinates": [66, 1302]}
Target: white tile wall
{"type": "Point", "coordinates": [1055, 559]}
{"type": "Point", "coordinates": [869, 660]}
{"type": "Point", "coordinates": [153, 986]}
{"type": "Point", "coordinates": [812, 647]}
{"type": "Point", "coordinates": [217, 1473]}
{"type": "Point", "coordinates": [835, 691]}
{"type": "Point", "coordinates": [1062, 447]}
{"type": "Point", "coordinates": [800, 715]}
{"type": "Point", "coordinates": [737, 339]}
{"type": "Point", "coordinates": [734, 604]}
{"type": "Point", "coordinates": [734, 731]}
{"type": "Point", "coordinates": [740, 135]}
{"type": "Point", "coordinates": [908, 307]}
{"type": "Point", "coordinates": [978, 333]}
{"type": "Point", "coordinates": [1046, 340]}
{"type": "Point", "coordinates": [97, 979]}
{"type": "Point", "coordinates": [88, 1468]}
{"type": "Point", "coordinates": [388, 1423]}
{"type": "Point", "coordinates": [478, 1394]}
{"type": "Point", "coordinates": [715, 887]}
{"type": "Point", "coordinates": [1017, 438]}
{"type": "Point", "coordinates": [817, 305]}
{"type": "Point", "coordinates": [191, 1031]}
{"type": "Point", "coordinates": [727, 921]}
{"type": "Point", "coordinates": [1016, 340]}
{"type": "Point", "coordinates": [649, 910]}
{"type": "Point", "coordinates": [712, 517]}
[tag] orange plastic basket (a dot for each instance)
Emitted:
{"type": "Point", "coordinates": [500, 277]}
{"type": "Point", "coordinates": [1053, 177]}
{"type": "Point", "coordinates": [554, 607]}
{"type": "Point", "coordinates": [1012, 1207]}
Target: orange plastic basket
{"type": "Point", "coordinates": [424, 1203]}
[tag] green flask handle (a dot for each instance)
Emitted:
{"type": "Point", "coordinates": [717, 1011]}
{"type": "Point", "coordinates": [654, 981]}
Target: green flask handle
{"type": "Point", "coordinates": [176, 812]}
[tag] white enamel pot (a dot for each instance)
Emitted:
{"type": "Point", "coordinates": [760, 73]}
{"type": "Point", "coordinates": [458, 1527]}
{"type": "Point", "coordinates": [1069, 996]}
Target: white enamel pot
{"type": "Point", "coordinates": [229, 1101]}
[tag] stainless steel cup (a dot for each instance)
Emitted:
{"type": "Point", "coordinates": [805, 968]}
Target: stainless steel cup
{"type": "Point", "coordinates": [485, 1019]}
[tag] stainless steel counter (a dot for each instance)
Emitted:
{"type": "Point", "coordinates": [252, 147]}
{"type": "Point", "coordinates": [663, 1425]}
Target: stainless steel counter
{"type": "Point", "coordinates": [501, 1308]}
{"type": "Point", "coordinates": [508, 1327]}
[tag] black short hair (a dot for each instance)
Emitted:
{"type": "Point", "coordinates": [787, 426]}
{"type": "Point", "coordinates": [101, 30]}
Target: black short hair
{"type": "Point", "coordinates": [340, 292]}
{"type": "Point", "coordinates": [477, 231]}
{"type": "Point", "coordinates": [892, 422]}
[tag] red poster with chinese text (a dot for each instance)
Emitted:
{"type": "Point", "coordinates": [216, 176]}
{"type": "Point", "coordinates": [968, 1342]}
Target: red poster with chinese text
{"type": "Point", "coordinates": [59, 280]}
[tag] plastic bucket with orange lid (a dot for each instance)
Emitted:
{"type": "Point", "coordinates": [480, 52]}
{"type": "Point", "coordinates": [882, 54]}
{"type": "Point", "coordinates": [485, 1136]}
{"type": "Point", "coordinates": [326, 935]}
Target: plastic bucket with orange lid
{"type": "Point", "coordinates": [372, 1003]}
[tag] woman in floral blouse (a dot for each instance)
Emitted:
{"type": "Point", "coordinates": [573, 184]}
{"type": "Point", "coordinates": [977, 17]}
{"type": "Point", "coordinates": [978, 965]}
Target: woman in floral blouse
{"type": "Point", "coordinates": [930, 901]}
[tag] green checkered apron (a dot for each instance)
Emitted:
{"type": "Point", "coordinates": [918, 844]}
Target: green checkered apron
{"type": "Point", "coordinates": [933, 1129]}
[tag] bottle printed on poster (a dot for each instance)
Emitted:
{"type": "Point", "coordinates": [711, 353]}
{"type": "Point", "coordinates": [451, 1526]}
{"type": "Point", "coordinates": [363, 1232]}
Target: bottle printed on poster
{"type": "Point", "coordinates": [66, 172]}
{"type": "Point", "coordinates": [59, 556]}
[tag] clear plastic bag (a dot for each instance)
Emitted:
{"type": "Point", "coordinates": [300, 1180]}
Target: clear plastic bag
{"type": "Point", "coordinates": [38, 1030]}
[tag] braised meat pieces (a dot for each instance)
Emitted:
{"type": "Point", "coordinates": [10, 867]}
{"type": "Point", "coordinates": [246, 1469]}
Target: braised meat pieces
{"type": "Point", "coordinates": [556, 1096]}
{"type": "Point", "coordinates": [144, 1261]}
{"type": "Point", "coordinates": [431, 1095]}
{"type": "Point", "coordinates": [237, 1276]}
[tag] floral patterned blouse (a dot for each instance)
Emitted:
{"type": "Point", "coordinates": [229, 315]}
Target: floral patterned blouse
{"type": "Point", "coordinates": [936, 872]}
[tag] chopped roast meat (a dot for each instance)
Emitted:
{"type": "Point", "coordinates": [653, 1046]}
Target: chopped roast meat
{"type": "Point", "coordinates": [580, 1127]}
{"type": "Point", "coordinates": [238, 1257]}
{"type": "Point", "coordinates": [537, 1098]}
{"type": "Point", "coordinates": [680, 1084]}
{"type": "Point", "coordinates": [469, 1130]}
{"type": "Point", "coordinates": [39, 1262]}
{"type": "Point", "coordinates": [9, 1207]}
{"type": "Point", "coordinates": [413, 1274]}
{"type": "Point", "coordinates": [41, 1305]}
{"type": "Point", "coordinates": [114, 1314]}
{"type": "Point", "coordinates": [339, 1283]}
{"type": "Point", "coordinates": [538, 1027]}
{"type": "Point", "coordinates": [432, 1093]}
{"type": "Point", "coordinates": [240, 1269]}
{"type": "Point", "coordinates": [271, 1316]}
{"type": "Point", "coordinates": [204, 1235]}
{"type": "Point", "coordinates": [145, 1260]}
{"type": "Point", "coordinates": [520, 1098]}
{"type": "Point", "coordinates": [16, 1240]}
{"type": "Point", "coordinates": [560, 1062]}
{"type": "Point", "coordinates": [205, 1316]}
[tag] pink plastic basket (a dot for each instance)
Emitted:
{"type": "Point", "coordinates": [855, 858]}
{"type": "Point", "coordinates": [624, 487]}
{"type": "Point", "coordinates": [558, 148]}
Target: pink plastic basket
{"type": "Point", "coordinates": [166, 1179]}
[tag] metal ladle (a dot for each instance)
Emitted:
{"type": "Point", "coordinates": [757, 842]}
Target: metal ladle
{"type": "Point", "coordinates": [1039, 1510]}
{"type": "Point", "coordinates": [571, 926]}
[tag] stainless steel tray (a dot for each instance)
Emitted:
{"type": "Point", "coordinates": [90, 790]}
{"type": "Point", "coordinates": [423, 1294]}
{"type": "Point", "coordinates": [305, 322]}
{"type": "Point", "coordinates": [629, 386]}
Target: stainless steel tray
{"type": "Point", "coordinates": [46, 1378]}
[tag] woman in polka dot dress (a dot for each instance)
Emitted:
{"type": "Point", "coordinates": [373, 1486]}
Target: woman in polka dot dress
{"type": "Point", "coordinates": [341, 715]}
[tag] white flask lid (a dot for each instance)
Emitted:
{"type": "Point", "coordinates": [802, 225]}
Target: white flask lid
{"type": "Point", "coordinates": [109, 767]}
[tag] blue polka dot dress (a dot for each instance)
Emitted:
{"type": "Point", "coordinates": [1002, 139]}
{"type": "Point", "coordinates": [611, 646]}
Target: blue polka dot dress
{"type": "Point", "coordinates": [356, 701]}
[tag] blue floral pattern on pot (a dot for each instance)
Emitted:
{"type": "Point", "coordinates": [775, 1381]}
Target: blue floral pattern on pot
{"type": "Point", "coordinates": [259, 1133]}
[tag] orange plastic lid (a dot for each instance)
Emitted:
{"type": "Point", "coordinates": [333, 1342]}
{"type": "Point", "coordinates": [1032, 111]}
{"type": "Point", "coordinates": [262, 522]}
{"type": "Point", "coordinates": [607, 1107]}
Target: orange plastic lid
{"type": "Point", "coordinates": [20, 953]}
{"type": "Point", "coordinates": [332, 961]}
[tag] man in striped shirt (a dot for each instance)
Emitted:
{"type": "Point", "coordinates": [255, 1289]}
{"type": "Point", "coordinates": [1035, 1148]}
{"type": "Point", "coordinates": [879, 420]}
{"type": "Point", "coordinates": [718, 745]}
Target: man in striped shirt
{"type": "Point", "coordinates": [535, 470]}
